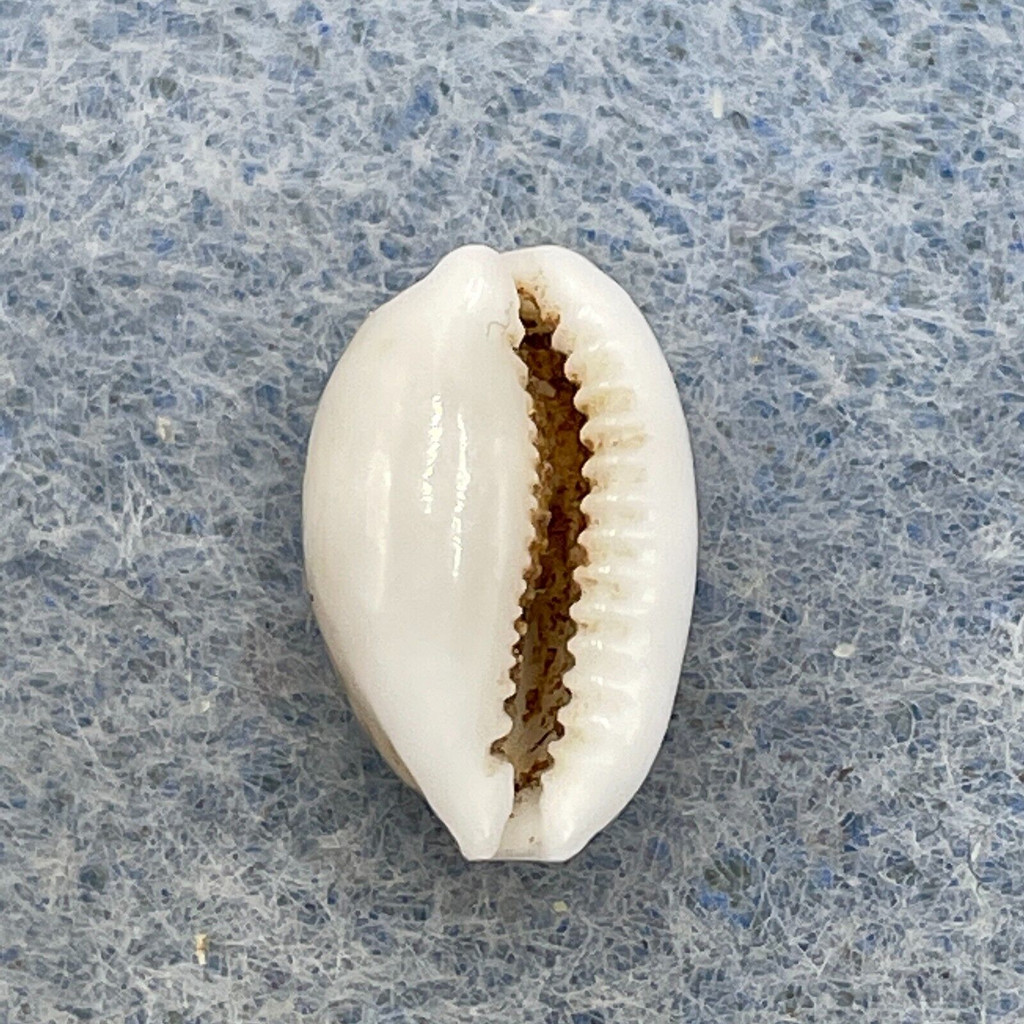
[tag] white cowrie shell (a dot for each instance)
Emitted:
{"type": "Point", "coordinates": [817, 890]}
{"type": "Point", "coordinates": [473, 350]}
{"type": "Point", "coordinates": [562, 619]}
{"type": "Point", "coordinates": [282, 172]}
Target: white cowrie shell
{"type": "Point", "coordinates": [421, 524]}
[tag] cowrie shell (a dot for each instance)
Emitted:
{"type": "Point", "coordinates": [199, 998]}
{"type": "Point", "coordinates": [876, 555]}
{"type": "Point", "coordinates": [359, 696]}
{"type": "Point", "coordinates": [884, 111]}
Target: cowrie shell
{"type": "Point", "coordinates": [500, 531]}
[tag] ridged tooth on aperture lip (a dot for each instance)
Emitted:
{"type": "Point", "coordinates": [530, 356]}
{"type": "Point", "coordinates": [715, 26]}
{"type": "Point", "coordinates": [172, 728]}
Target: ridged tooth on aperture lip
{"type": "Point", "coordinates": [418, 502]}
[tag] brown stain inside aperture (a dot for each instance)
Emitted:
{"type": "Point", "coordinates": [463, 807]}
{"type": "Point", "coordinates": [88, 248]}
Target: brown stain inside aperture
{"type": "Point", "coordinates": [545, 627]}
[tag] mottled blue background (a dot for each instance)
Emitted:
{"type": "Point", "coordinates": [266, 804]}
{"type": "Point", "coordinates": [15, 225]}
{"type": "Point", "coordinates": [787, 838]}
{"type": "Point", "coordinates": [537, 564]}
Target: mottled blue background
{"type": "Point", "coordinates": [819, 206]}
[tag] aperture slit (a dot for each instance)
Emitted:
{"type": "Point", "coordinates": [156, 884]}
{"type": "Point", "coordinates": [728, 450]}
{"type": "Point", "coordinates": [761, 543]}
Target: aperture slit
{"type": "Point", "coordinates": [545, 626]}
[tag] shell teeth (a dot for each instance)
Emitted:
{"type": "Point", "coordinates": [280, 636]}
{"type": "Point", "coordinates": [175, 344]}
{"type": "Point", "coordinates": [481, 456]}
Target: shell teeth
{"type": "Point", "coordinates": [593, 612]}
{"type": "Point", "coordinates": [608, 468]}
{"type": "Point", "coordinates": [545, 625]}
{"type": "Point", "coordinates": [605, 399]}
{"type": "Point", "coordinates": [507, 686]}
{"type": "Point", "coordinates": [614, 430]}
{"type": "Point", "coordinates": [609, 509]}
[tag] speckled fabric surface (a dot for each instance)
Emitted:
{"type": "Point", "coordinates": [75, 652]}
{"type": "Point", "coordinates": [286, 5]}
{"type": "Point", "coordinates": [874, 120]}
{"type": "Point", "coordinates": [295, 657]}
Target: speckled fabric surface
{"type": "Point", "coordinates": [819, 207]}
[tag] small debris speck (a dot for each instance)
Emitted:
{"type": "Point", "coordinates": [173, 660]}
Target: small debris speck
{"type": "Point", "coordinates": [559, 906]}
{"type": "Point", "coordinates": [165, 429]}
{"type": "Point", "coordinates": [202, 948]}
{"type": "Point", "coordinates": [844, 650]}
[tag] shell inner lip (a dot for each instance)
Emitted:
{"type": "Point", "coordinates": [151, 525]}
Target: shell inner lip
{"type": "Point", "coordinates": [545, 624]}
